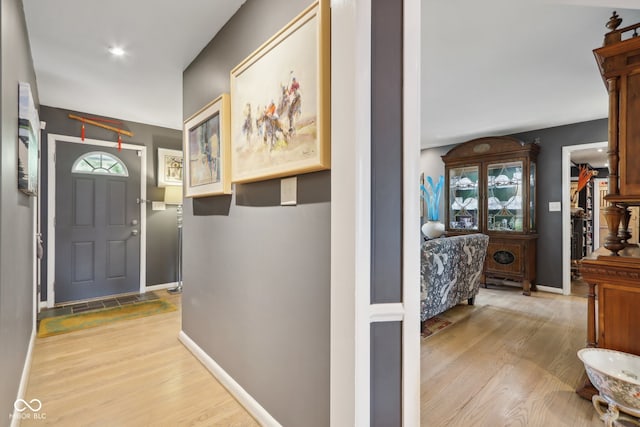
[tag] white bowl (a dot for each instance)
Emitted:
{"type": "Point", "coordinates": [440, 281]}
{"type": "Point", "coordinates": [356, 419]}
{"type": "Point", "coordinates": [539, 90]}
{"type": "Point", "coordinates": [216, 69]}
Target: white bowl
{"type": "Point", "coordinates": [615, 374]}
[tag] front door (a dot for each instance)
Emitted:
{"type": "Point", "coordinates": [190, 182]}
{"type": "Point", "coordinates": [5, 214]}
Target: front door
{"type": "Point", "coordinates": [97, 222]}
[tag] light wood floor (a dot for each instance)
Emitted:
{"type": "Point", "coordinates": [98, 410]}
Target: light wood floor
{"type": "Point", "coordinates": [510, 362]}
{"type": "Point", "coordinates": [129, 373]}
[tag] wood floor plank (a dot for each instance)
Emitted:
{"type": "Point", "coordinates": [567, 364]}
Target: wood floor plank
{"type": "Point", "coordinates": [129, 373]}
{"type": "Point", "coordinates": [511, 362]}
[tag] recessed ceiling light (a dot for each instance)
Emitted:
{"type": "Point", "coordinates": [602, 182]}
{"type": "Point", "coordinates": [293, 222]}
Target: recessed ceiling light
{"type": "Point", "coordinates": [116, 51]}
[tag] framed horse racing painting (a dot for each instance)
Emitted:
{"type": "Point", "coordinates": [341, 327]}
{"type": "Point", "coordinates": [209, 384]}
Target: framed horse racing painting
{"type": "Point", "coordinates": [280, 102]}
{"type": "Point", "coordinates": [206, 150]}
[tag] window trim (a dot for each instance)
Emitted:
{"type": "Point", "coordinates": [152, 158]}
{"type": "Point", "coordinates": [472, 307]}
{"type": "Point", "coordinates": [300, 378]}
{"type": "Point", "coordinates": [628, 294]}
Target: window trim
{"type": "Point", "coordinates": [99, 170]}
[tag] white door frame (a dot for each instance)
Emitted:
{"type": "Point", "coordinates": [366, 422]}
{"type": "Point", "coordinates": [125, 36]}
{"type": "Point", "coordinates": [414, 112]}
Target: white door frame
{"type": "Point", "coordinates": [566, 209]}
{"type": "Point", "coordinates": [51, 203]}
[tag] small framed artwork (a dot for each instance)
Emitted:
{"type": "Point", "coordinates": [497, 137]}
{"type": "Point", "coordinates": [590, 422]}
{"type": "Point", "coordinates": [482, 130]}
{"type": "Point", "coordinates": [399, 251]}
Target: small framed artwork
{"type": "Point", "coordinates": [28, 141]}
{"type": "Point", "coordinates": [206, 137]}
{"type": "Point", "coordinates": [280, 102]}
{"type": "Point", "coordinates": [169, 167]}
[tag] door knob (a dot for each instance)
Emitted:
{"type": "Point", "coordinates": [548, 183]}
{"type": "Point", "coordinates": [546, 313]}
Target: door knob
{"type": "Point", "coordinates": [134, 232]}
{"type": "Point", "coordinates": [134, 222]}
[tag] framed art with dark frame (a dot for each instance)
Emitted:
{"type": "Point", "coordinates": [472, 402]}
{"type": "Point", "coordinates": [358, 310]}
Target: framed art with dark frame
{"type": "Point", "coordinates": [206, 150]}
{"type": "Point", "coordinates": [280, 102]}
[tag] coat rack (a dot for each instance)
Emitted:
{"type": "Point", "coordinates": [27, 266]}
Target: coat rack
{"type": "Point", "coordinates": [95, 121]}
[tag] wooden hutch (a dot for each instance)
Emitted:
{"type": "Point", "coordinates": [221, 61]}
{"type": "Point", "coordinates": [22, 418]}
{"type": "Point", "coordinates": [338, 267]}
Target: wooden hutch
{"type": "Point", "coordinates": [613, 272]}
{"type": "Point", "coordinates": [490, 188]}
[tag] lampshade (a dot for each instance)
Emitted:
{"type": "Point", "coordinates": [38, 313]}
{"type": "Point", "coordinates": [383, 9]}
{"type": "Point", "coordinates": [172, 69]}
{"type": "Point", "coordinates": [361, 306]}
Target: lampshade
{"type": "Point", "coordinates": [173, 195]}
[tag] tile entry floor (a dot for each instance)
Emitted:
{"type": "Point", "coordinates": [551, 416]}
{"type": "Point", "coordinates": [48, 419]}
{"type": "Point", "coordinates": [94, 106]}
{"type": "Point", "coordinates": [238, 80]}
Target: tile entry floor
{"type": "Point", "coordinates": [96, 305]}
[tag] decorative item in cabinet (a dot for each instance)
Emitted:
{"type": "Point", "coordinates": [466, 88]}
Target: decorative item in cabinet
{"type": "Point", "coordinates": [491, 188]}
{"type": "Point", "coordinates": [463, 189]}
{"type": "Point", "coordinates": [504, 203]}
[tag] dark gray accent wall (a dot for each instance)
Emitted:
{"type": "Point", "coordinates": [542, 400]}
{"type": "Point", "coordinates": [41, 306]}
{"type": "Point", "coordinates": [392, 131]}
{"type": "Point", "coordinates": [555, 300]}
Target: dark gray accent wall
{"type": "Point", "coordinates": [386, 207]}
{"type": "Point", "coordinates": [550, 189]}
{"type": "Point", "coordinates": [17, 234]}
{"type": "Point", "coordinates": [386, 374]}
{"type": "Point", "coordinates": [256, 274]}
{"type": "Point", "coordinates": [549, 271]}
{"type": "Point", "coordinates": [162, 226]}
{"type": "Point", "coordinates": [386, 151]}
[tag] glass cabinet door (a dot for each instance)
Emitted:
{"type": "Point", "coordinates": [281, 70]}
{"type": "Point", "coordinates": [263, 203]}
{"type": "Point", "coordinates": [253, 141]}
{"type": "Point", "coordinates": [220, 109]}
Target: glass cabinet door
{"type": "Point", "coordinates": [504, 197]}
{"type": "Point", "coordinates": [463, 197]}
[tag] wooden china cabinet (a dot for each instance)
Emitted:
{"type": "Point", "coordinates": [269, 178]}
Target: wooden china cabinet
{"type": "Point", "coordinates": [490, 188]}
{"type": "Point", "coordinates": [613, 272]}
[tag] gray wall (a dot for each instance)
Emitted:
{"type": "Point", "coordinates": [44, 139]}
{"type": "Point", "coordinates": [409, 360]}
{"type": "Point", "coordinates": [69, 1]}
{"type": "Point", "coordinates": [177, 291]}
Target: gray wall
{"type": "Point", "coordinates": [257, 275]}
{"type": "Point", "coordinates": [162, 228]}
{"type": "Point", "coordinates": [550, 189]}
{"type": "Point", "coordinates": [386, 208]}
{"type": "Point", "coordinates": [16, 212]}
{"type": "Point", "coordinates": [549, 271]}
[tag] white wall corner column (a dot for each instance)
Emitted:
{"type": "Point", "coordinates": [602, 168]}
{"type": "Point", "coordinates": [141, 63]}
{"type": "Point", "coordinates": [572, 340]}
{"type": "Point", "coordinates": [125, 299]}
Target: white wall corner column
{"type": "Point", "coordinates": [353, 316]}
{"type": "Point", "coordinates": [350, 211]}
{"type": "Point", "coordinates": [412, 237]}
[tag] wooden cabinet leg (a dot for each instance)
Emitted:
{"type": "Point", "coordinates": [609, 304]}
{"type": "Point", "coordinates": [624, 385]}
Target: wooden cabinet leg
{"type": "Point", "coordinates": [586, 390]}
{"type": "Point", "coordinates": [526, 287]}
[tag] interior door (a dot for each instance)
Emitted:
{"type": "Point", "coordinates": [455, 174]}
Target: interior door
{"type": "Point", "coordinates": [97, 222]}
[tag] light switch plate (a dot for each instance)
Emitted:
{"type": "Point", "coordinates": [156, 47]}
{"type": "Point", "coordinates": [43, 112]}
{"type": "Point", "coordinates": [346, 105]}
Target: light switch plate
{"type": "Point", "coordinates": [555, 206]}
{"type": "Point", "coordinates": [289, 191]}
{"type": "Point", "coordinates": [158, 206]}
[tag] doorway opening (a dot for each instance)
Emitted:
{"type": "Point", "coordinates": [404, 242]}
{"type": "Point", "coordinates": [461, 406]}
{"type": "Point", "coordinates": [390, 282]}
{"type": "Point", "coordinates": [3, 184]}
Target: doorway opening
{"type": "Point", "coordinates": [579, 236]}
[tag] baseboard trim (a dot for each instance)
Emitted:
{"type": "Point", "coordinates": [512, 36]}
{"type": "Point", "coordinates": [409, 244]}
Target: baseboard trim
{"type": "Point", "coordinates": [161, 286]}
{"type": "Point", "coordinates": [250, 404]}
{"type": "Point", "coordinates": [549, 289]}
{"type": "Point", "coordinates": [24, 379]}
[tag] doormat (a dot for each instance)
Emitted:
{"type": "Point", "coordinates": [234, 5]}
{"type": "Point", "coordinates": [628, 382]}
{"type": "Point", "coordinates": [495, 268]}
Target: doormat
{"type": "Point", "coordinates": [91, 319]}
{"type": "Point", "coordinates": [434, 325]}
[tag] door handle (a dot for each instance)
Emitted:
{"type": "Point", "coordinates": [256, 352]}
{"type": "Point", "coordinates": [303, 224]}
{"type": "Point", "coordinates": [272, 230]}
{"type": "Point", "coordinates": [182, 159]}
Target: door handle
{"type": "Point", "coordinates": [134, 222]}
{"type": "Point", "coordinates": [134, 232]}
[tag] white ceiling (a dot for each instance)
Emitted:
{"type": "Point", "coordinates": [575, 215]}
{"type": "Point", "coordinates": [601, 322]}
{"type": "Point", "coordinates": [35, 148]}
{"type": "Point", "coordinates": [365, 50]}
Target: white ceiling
{"type": "Point", "coordinates": [595, 157]}
{"type": "Point", "coordinates": [74, 70]}
{"type": "Point", "coordinates": [489, 67]}
{"type": "Point", "coordinates": [496, 67]}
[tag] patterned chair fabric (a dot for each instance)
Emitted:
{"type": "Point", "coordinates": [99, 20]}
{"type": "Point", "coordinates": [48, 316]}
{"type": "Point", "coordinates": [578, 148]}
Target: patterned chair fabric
{"type": "Point", "coordinates": [451, 269]}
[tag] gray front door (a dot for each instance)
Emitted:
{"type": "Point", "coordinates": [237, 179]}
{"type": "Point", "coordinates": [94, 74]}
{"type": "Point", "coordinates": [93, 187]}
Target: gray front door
{"type": "Point", "coordinates": [97, 222]}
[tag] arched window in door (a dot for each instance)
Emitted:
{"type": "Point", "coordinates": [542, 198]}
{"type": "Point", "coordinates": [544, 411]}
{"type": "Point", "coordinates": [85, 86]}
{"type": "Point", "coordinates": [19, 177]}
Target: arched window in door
{"type": "Point", "coordinates": [99, 162]}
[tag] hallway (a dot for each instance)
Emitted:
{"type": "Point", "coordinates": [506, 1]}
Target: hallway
{"type": "Point", "coordinates": [129, 373]}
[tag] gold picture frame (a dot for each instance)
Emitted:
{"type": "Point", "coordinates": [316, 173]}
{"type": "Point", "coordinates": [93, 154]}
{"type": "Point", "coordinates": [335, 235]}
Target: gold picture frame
{"type": "Point", "coordinates": [270, 140]}
{"type": "Point", "coordinates": [206, 139]}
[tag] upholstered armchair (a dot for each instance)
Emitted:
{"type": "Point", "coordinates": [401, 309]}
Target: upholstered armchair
{"type": "Point", "coordinates": [451, 271]}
